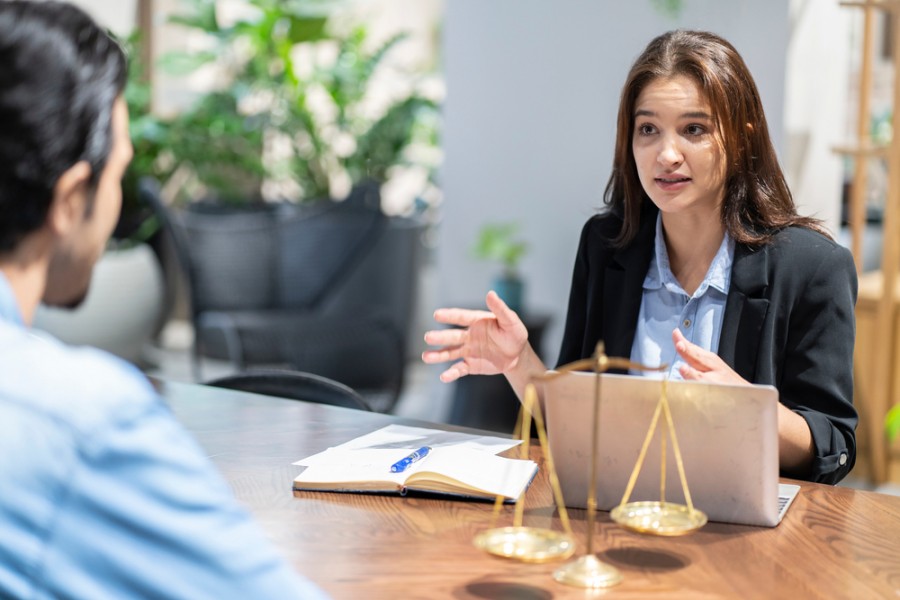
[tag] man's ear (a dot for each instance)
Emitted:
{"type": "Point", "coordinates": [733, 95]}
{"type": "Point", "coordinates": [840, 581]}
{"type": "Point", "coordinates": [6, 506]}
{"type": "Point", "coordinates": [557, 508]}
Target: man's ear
{"type": "Point", "coordinates": [70, 196]}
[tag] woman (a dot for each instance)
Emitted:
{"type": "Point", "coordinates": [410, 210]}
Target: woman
{"type": "Point", "coordinates": [700, 261]}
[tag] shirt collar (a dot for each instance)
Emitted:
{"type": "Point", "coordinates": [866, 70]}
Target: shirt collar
{"type": "Point", "coordinates": [660, 272]}
{"type": "Point", "coordinates": [719, 275]}
{"type": "Point", "coordinates": [9, 309]}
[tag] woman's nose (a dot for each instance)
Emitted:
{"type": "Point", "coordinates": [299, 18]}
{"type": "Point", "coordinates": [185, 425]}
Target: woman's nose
{"type": "Point", "coordinates": [669, 152]}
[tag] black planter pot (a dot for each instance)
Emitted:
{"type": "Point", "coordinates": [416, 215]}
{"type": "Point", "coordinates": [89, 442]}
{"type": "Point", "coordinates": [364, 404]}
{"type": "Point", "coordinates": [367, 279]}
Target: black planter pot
{"type": "Point", "coordinates": [325, 287]}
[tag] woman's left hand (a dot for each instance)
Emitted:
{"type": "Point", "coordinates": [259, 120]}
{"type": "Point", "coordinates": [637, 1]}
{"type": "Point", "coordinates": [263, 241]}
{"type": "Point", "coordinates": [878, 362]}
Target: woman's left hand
{"type": "Point", "coordinates": [703, 365]}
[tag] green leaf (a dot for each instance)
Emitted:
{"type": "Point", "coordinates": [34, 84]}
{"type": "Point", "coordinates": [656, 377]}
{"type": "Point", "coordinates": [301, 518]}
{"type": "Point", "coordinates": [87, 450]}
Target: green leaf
{"type": "Point", "coordinates": [201, 15]}
{"type": "Point", "coordinates": [183, 63]}
{"type": "Point", "coordinates": [892, 422]}
{"type": "Point", "coordinates": [382, 145]}
{"type": "Point", "coordinates": [221, 147]}
{"type": "Point", "coordinates": [307, 29]}
{"type": "Point", "coordinates": [371, 63]}
{"type": "Point", "coordinates": [669, 8]}
{"type": "Point", "coordinates": [311, 153]}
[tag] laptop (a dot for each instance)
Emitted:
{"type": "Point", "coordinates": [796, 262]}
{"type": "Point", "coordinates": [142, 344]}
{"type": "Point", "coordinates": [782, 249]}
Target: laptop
{"type": "Point", "coordinates": [728, 436]}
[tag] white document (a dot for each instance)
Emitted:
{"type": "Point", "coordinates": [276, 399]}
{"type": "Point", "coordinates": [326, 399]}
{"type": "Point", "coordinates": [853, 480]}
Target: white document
{"type": "Point", "coordinates": [403, 440]}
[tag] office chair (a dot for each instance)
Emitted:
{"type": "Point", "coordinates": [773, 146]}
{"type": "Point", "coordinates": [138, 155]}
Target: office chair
{"type": "Point", "coordinates": [294, 385]}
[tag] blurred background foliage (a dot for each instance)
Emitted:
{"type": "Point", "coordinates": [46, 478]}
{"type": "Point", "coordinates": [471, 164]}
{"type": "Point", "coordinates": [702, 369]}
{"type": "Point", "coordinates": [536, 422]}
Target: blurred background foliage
{"type": "Point", "coordinates": [292, 113]}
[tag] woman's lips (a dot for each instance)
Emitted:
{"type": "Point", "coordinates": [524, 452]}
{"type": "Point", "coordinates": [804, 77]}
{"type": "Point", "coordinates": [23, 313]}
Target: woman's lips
{"type": "Point", "coordinates": [670, 184]}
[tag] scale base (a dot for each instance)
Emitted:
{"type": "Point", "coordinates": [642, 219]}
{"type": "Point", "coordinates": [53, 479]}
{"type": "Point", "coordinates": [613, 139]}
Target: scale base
{"type": "Point", "coordinates": [528, 544]}
{"type": "Point", "coordinates": [588, 572]}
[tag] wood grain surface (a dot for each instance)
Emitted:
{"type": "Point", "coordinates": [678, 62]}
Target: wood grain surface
{"type": "Point", "coordinates": [833, 543]}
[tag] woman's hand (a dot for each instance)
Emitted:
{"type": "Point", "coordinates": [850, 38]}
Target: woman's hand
{"type": "Point", "coordinates": [483, 342]}
{"type": "Point", "coordinates": [703, 365]}
{"type": "Point", "coordinates": [795, 444]}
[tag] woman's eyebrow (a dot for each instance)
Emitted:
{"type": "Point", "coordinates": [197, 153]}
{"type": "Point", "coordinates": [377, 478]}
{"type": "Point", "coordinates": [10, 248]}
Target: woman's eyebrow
{"type": "Point", "coordinates": [688, 115]}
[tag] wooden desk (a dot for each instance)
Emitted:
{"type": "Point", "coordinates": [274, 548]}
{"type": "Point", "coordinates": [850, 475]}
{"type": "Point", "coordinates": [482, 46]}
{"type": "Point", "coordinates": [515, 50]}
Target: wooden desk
{"type": "Point", "coordinates": [834, 542]}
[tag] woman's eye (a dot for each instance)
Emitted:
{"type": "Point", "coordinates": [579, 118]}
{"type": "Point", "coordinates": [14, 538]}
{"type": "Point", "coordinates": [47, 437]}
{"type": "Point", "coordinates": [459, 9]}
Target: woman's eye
{"type": "Point", "coordinates": [646, 129]}
{"type": "Point", "coordinates": [695, 130]}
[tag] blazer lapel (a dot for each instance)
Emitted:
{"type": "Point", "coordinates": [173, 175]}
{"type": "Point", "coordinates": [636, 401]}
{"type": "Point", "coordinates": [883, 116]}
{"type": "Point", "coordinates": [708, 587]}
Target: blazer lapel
{"type": "Point", "coordinates": [745, 310]}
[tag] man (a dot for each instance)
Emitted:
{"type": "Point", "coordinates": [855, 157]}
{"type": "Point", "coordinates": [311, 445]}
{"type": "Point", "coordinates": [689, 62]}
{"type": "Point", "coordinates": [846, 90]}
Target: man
{"type": "Point", "coordinates": [104, 495]}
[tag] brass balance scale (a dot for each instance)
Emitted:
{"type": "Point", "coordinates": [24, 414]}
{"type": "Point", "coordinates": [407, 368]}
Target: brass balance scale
{"type": "Point", "coordinates": [533, 544]}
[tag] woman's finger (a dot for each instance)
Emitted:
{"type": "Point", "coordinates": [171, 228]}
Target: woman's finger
{"type": "Point", "coordinates": [446, 337]}
{"type": "Point", "coordinates": [460, 369]}
{"type": "Point", "coordinates": [721, 374]}
{"type": "Point", "coordinates": [462, 317]}
{"type": "Point", "coordinates": [441, 356]}
{"type": "Point", "coordinates": [689, 373]}
{"type": "Point", "coordinates": [693, 354]}
{"type": "Point", "coordinates": [506, 317]}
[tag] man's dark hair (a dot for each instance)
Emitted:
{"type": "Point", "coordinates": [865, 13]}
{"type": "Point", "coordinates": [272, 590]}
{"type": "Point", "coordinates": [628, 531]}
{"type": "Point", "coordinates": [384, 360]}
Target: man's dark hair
{"type": "Point", "coordinates": [60, 74]}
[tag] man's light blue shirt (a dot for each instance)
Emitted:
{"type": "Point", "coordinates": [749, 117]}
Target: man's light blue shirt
{"type": "Point", "coordinates": [104, 493]}
{"type": "Point", "coordinates": [665, 305]}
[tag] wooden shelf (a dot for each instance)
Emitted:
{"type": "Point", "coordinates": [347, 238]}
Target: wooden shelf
{"type": "Point", "coordinates": [865, 149]}
{"type": "Point", "coordinates": [877, 351]}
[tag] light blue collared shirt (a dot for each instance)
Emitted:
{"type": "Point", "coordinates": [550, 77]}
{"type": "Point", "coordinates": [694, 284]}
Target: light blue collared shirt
{"type": "Point", "coordinates": [665, 305]}
{"type": "Point", "coordinates": [104, 494]}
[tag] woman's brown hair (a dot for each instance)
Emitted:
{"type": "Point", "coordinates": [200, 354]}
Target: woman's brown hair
{"type": "Point", "coordinates": [757, 200]}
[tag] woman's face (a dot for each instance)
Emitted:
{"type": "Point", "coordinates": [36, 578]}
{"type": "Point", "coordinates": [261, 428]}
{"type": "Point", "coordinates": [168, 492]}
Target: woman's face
{"type": "Point", "coordinates": [679, 159]}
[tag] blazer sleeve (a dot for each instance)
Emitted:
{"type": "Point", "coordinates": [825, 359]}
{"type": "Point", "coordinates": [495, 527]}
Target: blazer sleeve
{"type": "Point", "coordinates": [576, 315]}
{"type": "Point", "coordinates": [818, 368]}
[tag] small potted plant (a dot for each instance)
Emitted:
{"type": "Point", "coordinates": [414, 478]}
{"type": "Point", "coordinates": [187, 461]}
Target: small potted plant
{"type": "Point", "coordinates": [500, 242]}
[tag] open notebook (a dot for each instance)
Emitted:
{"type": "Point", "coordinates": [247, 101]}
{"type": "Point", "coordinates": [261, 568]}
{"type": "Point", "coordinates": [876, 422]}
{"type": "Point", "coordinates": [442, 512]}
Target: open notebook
{"type": "Point", "coordinates": [458, 464]}
{"type": "Point", "coordinates": [728, 435]}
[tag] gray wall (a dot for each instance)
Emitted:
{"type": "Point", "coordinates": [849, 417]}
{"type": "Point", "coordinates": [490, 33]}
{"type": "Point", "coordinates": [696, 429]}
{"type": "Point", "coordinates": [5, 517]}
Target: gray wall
{"type": "Point", "coordinates": [532, 93]}
{"type": "Point", "coordinates": [117, 15]}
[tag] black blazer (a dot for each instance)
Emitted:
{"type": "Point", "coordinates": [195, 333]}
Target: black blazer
{"type": "Point", "coordinates": [788, 322]}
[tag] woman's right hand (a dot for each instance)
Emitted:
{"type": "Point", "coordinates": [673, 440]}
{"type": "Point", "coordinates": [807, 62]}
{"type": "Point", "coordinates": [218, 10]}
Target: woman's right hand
{"type": "Point", "coordinates": [482, 342]}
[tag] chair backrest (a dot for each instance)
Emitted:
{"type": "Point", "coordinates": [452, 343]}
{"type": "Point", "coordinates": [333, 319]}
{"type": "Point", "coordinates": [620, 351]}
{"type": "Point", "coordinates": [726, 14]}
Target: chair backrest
{"type": "Point", "coordinates": [294, 385]}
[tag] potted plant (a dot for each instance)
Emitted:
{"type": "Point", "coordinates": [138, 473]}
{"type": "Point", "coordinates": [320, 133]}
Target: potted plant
{"type": "Point", "coordinates": [499, 242]}
{"type": "Point", "coordinates": [263, 158]}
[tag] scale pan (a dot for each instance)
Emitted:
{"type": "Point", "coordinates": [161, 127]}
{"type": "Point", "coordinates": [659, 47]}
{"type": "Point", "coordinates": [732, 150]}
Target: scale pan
{"type": "Point", "coordinates": [528, 544]}
{"type": "Point", "coordinates": [658, 518]}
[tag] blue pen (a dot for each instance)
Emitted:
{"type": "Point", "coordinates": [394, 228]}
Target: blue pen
{"type": "Point", "coordinates": [403, 464]}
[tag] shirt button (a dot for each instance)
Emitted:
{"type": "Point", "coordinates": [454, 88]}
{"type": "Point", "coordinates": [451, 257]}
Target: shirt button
{"type": "Point", "coordinates": [686, 323]}
{"type": "Point", "coordinates": [843, 459]}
